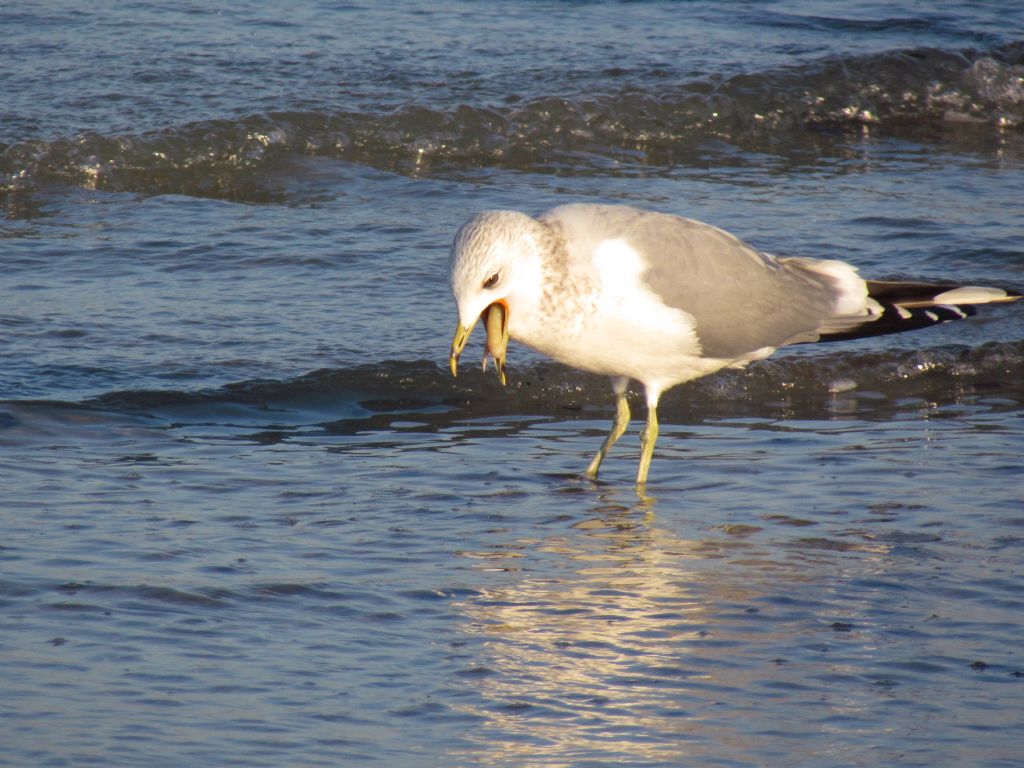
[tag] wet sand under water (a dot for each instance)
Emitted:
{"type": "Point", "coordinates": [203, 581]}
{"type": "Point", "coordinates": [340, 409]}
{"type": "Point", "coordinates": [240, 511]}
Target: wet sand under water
{"type": "Point", "coordinates": [839, 591]}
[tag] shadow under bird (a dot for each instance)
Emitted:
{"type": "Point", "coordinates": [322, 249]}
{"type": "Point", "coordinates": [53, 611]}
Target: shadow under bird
{"type": "Point", "coordinates": [663, 299]}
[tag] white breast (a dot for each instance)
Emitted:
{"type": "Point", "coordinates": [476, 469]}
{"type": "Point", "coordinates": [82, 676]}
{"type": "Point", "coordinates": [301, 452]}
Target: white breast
{"type": "Point", "coordinates": [624, 328]}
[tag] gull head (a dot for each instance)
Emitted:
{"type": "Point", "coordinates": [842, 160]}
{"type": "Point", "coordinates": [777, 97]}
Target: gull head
{"type": "Point", "coordinates": [495, 266]}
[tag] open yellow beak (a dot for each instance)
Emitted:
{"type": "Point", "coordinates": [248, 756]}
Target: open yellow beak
{"type": "Point", "coordinates": [495, 319]}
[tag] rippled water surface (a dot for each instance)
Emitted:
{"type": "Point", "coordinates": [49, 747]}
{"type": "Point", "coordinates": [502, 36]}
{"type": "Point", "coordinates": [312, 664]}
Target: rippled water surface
{"type": "Point", "coordinates": [247, 517]}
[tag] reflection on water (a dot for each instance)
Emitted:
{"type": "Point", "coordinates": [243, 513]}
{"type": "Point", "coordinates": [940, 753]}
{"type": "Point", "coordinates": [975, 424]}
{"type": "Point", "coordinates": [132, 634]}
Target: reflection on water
{"type": "Point", "coordinates": [609, 658]}
{"type": "Point", "coordinates": [821, 634]}
{"type": "Point", "coordinates": [800, 593]}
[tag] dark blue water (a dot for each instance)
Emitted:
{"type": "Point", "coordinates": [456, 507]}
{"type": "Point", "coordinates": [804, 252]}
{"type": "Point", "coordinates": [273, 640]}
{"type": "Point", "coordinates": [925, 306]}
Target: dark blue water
{"type": "Point", "coordinates": [248, 518]}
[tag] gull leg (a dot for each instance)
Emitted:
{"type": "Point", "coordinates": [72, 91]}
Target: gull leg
{"type": "Point", "coordinates": [647, 439]}
{"type": "Point", "coordinates": [618, 425]}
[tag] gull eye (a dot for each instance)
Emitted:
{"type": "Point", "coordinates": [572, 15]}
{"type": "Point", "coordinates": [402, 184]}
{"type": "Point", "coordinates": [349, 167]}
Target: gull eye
{"type": "Point", "coordinates": [491, 281]}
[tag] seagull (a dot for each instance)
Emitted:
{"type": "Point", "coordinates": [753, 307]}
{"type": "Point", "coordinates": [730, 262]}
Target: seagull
{"type": "Point", "coordinates": [663, 300]}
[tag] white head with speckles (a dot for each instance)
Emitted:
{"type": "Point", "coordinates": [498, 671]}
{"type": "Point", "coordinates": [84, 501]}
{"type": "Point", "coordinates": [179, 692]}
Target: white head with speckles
{"type": "Point", "coordinates": [494, 272]}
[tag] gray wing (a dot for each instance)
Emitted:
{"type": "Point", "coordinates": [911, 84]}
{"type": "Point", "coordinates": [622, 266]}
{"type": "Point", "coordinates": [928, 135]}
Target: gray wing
{"type": "Point", "coordinates": [742, 299]}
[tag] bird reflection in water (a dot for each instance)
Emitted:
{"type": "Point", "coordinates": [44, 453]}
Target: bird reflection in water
{"type": "Point", "coordinates": [646, 643]}
{"type": "Point", "coordinates": [567, 666]}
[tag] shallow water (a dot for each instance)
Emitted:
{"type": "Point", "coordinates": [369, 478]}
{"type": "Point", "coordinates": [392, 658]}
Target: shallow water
{"type": "Point", "coordinates": [824, 591]}
{"type": "Point", "coordinates": [248, 518]}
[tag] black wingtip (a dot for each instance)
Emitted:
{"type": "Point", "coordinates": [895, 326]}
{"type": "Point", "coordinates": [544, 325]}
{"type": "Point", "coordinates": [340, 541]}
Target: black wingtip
{"type": "Point", "coordinates": [908, 306]}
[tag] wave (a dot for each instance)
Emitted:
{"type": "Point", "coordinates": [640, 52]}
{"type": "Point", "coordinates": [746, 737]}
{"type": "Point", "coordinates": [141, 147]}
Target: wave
{"type": "Point", "coordinates": [799, 383]}
{"type": "Point", "coordinates": [927, 92]}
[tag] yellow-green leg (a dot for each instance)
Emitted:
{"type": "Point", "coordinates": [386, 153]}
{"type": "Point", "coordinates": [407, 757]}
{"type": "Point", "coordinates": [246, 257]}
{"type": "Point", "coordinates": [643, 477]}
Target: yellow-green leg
{"type": "Point", "coordinates": [647, 439]}
{"type": "Point", "coordinates": [618, 426]}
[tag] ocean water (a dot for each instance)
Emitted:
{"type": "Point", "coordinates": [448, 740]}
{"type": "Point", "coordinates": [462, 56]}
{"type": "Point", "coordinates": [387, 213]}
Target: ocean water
{"type": "Point", "coordinates": [248, 518]}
